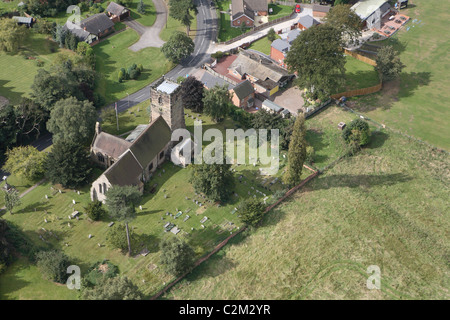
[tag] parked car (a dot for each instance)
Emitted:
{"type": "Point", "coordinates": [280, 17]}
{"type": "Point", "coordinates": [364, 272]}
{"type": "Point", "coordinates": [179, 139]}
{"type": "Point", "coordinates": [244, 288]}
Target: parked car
{"type": "Point", "coordinates": [297, 8]}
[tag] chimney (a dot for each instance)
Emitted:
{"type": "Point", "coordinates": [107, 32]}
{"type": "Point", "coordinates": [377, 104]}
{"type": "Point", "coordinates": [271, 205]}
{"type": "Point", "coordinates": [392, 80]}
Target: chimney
{"type": "Point", "coordinates": [98, 128]}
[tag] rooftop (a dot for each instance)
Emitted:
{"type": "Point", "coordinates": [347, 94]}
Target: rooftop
{"type": "Point", "coordinates": [364, 8]}
{"type": "Point", "coordinates": [167, 86]}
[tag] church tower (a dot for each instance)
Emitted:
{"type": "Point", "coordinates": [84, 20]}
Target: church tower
{"type": "Point", "coordinates": [166, 102]}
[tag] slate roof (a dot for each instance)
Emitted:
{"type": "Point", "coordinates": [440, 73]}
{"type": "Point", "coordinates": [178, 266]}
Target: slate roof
{"type": "Point", "coordinates": [319, 8]}
{"type": "Point", "coordinates": [110, 144]}
{"type": "Point", "coordinates": [97, 23]}
{"type": "Point", "coordinates": [209, 80]}
{"type": "Point", "coordinates": [243, 89]}
{"type": "Point", "coordinates": [308, 21]}
{"type": "Point", "coordinates": [76, 30]}
{"type": "Point", "coordinates": [281, 45]}
{"type": "Point", "coordinates": [116, 8]}
{"type": "Point", "coordinates": [364, 8]}
{"type": "Point", "coordinates": [124, 172]}
{"type": "Point", "coordinates": [136, 132]}
{"type": "Point", "coordinates": [292, 35]}
{"type": "Point", "coordinates": [258, 67]}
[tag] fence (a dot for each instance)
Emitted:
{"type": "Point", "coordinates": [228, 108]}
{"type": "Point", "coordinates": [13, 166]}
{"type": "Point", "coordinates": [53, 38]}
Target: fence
{"type": "Point", "coordinates": [315, 110]}
{"type": "Point", "coordinates": [361, 57]}
{"type": "Point", "coordinates": [224, 242]}
{"type": "Point", "coordinates": [258, 28]}
{"type": "Point", "coordinates": [358, 92]}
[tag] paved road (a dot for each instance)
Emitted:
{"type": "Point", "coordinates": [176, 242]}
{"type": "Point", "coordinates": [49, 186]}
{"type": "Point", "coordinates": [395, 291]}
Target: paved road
{"type": "Point", "coordinates": [206, 34]}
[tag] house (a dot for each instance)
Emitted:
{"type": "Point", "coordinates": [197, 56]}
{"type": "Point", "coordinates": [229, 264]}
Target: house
{"type": "Point", "coordinates": [27, 21]}
{"type": "Point", "coordinates": [265, 76]}
{"type": "Point", "coordinates": [246, 11]}
{"type": "Point", "coordinates": [320, 11]}
{"type": "Point", "coordinates": [278, 51]}
{"type": "Point", "coordinates": [133, 160]}
{"type": "Point", "coordinates": [243, 95]}
{"type": "Point", "coordinates": [306, 22]}
{"type": "Point", "coordinates": [117, 12]}
{"type": "Point", "coordinates": [271, 106]}
{"type": "Point", "coordinates": [371, 12]}
{"type": "Point", "coordinates": [98, 24]}
{"type": "Point", "coordinates": [211, 79]}
{"type": "Point", "coordinates": [81, 34]}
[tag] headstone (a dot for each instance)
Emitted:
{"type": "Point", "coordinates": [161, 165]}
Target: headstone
{"type": "Point", "coordinates": [90, 236]}
{"type": "Point", "coordinates": [45, 220]}
{"type": "Point", "coordinates": [73, 201]}
{"type": "Point", "coordinates": [140, 208]}
{"type": "Point", "coordinates": [46, 197]}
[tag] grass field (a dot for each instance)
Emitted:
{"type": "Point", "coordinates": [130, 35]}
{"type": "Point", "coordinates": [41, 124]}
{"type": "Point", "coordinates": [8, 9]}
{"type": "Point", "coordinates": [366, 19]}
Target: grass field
{"type": "Point", "coordinates": [279, 11]}
{"type": "Point", "coordinates": [387, 206]}
{"type": "Point", "coordinates": [359, 75]}
{"type": "Point", "coordinates": [262, 45]}
{"type": "Point", "coordinates": [416, 104]}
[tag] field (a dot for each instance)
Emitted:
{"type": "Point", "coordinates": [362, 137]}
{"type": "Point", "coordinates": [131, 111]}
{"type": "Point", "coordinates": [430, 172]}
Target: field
{"type": "Point", "coordinates": [416, 104]}
{"type": "Point", "coordinates": [387, 206]}
{"type": "Point", "coordinates": [359, 75]}
{"type": "Point", "coordinates": [171, 189]}
{"type": "Point", "coordinates": [18, 72]}
{"type": "Point", "coordinates": [279, 11]}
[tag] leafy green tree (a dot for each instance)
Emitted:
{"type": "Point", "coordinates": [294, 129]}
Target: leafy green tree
{"type": "Point", "coordinates": [251, 211]}
{"type": "Point", "coordinates": [121, 202]}
{"type": "Point", "coordinates": [29, 118]}
{"type": "Point", "coordinates": [316, 56]}
{"type": "Point", "coordinates": [192, 94]}
{"type": "Point", "coordinates": [26, 162]}
{"type": "Point", "coordinates": [178, 47]}
{"type": "Point", "coordinates": [176, 256]}
{"type": "Point", "coordinates": [118, 288]}
{"type": "Point", "coordinates": [271, 35]}
{"type": "Point", "coordinates": [141, 7]}
{"type": "Point", "coordinates": [68, 164]}
{"type": "Point", "coordinates": [214, 180]}
{"type": "Point", "coordinates": [296, 153]}
{"type": "Point", "coordinates": [95, 210]}
{"type": "Point", "coordinates": [12, 35]}
{"type": "Point", "coordinates": [72, 120]}
{"type": "Point", "coordinates": [97, 272]}
{"type": "Point", "coordinates": [117, 237]}
{"type": "Point", "coordinates": [6, 247]}
{"type": "Point", "coordinates": [388, 62]}
{"type": "Point", "coordinates": [8, 129]}
{"type": "Point", "coordinates": [357, 133]}
{"type": "Point", "coordinates": [265, 120]}
{"type": "Point", "coordinates": [217, 102]}
{"type": "Point", "coordinates": [346, 20]}
{"type": "Point", "coordinates": [243, 27]}
{"type": "Point", "coordinates": [53, 265]}
{"type": "Point", "coordinates": [48, 88]}
{"type": "Point", "coordinates": [181, 10]}
{"type": "Point", "coordinates": [12, 199]}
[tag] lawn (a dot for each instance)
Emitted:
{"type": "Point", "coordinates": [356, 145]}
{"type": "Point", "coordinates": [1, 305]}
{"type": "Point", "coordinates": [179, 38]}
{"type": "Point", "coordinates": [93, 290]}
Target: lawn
{"type": "Point", "coordinates": [171, 189]}
{"type": "Point", "coordinates": [226, 31]}
{"type": "Point", "coordinates": [174, 25]}
{"type": "Point", "coordinates": [279, 11]}
{"type": "Point", "coordinates": [386, 206]}
{"type": "Point", "coordinates": [417, 104]}
{"type": "Point", "coordinates": [359, 75]}
{"type": "Point", "coordinates": [262, 45]}
{"type": "Point", "coordinates": [18, 71]}
{"type": "Point", "coordinates": [113, 54]}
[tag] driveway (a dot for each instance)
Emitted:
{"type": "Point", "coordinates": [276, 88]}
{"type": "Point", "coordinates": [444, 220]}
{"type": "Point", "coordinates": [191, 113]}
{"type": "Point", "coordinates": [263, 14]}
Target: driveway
{"type": "Point", "coordinates": [150, 35]}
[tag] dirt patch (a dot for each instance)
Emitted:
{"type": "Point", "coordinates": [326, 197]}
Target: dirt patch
{"type": "Point", "coordinates": [103, 268]}
{"type": "Point", "coordinates": [380, 100]}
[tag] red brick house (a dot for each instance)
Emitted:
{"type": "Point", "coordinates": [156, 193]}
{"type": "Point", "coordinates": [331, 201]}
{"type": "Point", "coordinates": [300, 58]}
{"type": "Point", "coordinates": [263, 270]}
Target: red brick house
{"type": "Point", "coordinates": [243, 95]}
{"type": "Point", "coordinates": [247, 10]}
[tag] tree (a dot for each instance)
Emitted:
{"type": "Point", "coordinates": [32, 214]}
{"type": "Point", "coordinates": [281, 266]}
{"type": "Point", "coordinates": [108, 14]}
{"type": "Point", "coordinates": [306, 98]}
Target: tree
{"type": "Point", "coordinates": [316, 55]}
{"type": "Point", "coordinates": [271, 35]}
{"type": "Point", "coordinates": [53, 265]}
{"type": "Point", "coordinates": [68, 164]}
{"type": "Point", "coordinates": [296, 153]}
{"type": "Point", "coordinates": [176, 256]}
{"type": "Point", "coordinates": [214, 180]}
{"type": "Point", "coordinates": [346, 20]}
{"type": "Point", "coordinates": [357, 133]}
{"type": "Point", "coordinates": [192, 94]}
{"type": "Point", "coordinates": [216, 102]}
{"type": "Point", "coordinates": [29, 117]}
{"type": "Point", "coordinates": [8, 129]}
{"type": "Point", "coordinates": [26, 162]}
{"type": "Point", "coordinates": [95, 210]}
{"type": "Point", "coordinates": [48, 88]}
{"type": "Point", "coordinates": [181, 10]}
{"type": "Point", "coordinates": [141, 7]}
{"type": "Point", "coordinates": [12, 35]}
{"type": "Point", "coordinates": [265, 120]}
{"type": "Point", "coordinates": [72, 120]}
{"type": "Point", "coordinates": [99, 271]}
{"type": "Point", "coordinates": [6, 247]}
{"type": "Point", "coordinates": [178, 47]}
{"type": "Point", "coordinates": [12, 199]}
{"type": "Point", "coordinates": [117, 237]}
{"type": "Point", "coordinates": [121, 202]}
{"type": "Point", "coordinates": [388, 62]}
{"type": "Point", "coordinates": [243, 27]}
{"type": "Point", "coordinates": [118, 288]}
{"type": "Point", "coordinates": [251, 211]}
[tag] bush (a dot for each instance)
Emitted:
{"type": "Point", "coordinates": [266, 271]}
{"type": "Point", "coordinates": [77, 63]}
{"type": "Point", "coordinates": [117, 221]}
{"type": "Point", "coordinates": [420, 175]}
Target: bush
{"type": "Point", "coordinates": [310, 152]}
{"type": "Point", "coordinates": [176, 255]}
{"type": "Point", "coordinates": [53, 265]}
{"type": "Point", "coordinates": [134, 74]}
{"type": "Point", "coordinates": [217, 55]}
{"type": "Point", "coordinates": [117, 237]}
{"type": "Point", "coordinates": [251, 211]}
{"type": "Point", "coordinates": [271, 35]}
{"type": "Point", "coordinates": [121, 76]}
{"type": "Point", "coordinates": [98, 271]}
{"type": "Point", "coordinates": [358, 132]}
{"type": "Point", "coordinates": [95, 210]}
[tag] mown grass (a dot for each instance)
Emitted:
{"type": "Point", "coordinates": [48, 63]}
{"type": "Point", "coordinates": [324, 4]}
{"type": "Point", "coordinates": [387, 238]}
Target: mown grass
{"type": "Point", "coordinates": [386, 206]}
{"type": "Point", "coordinates": [279, 11]}
{"type": "Point", "coordinates": [359, 75]}
{"type": "Point", "coordinates": [416, 104]}
{"type": "Point", "coordinates": [262, 45]}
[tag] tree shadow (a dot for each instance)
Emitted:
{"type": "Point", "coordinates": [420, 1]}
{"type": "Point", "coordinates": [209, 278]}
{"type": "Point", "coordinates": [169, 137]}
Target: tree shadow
{"type": "Point", "coordinates": [145, 241]}
{"type": "Point", "coordinates": [315, 138]}
{"type": "Point", "coordinates": [377, 139]}
{"type": "Point", "coordinates": [37, 206]}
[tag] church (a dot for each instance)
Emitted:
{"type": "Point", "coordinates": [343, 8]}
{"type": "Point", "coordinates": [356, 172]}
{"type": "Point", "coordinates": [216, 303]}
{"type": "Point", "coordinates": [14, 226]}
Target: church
{"type": "Point", "coordinates": [133, 160]}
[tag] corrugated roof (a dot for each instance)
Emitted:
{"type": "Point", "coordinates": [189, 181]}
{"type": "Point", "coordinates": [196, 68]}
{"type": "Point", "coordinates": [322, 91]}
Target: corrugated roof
{"type": "Point", "coordinates": [271, 105]}
{"type": "Point", "coordinates": [244, 89]}
{"type": "Point", "coordinates": [319, 8]}
{"type": "Point", "coordinates": [364, 8]}
{"type": "Point", "coordinates": [23, 19]}
{"type": "Point", "coordinates": [167, 86]}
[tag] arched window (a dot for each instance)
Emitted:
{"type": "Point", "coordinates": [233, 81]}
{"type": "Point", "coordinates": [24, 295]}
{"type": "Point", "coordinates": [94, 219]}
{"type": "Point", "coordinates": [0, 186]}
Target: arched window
{"type": "Point", "coordinates": [100, 188]}
{"type": "Point", "coordinates": [161, 155]}
{"type": "Point", "coordinates": [104, 188]}
{"type": "Point", "coordinates": [160, 100]}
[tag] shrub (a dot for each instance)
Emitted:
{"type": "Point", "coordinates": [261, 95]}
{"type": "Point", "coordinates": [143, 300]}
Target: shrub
{"type": "Point", "coordinates": [310, 154]}
{"type": "Point", "coordinates": [134, 74]}
{"type": "Point", "coordinates": [121, 76]}
{"type": "Point", "coordinates": [140, 68]}
{"type": "Point", "coordinates": [95, 210]}
{"type": "Point", "coordinates": [357, 131]}
{"type": "Point", "coordinates": [53, 265]}
{"type": "Point", "coordinates": [98, 271]}
{"type": "Point", "coordinates": [117, 237]}
{"type": "Point", "coordinates": [252, 211]}
{"type": "Point", "coordinates": [176, 255]}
